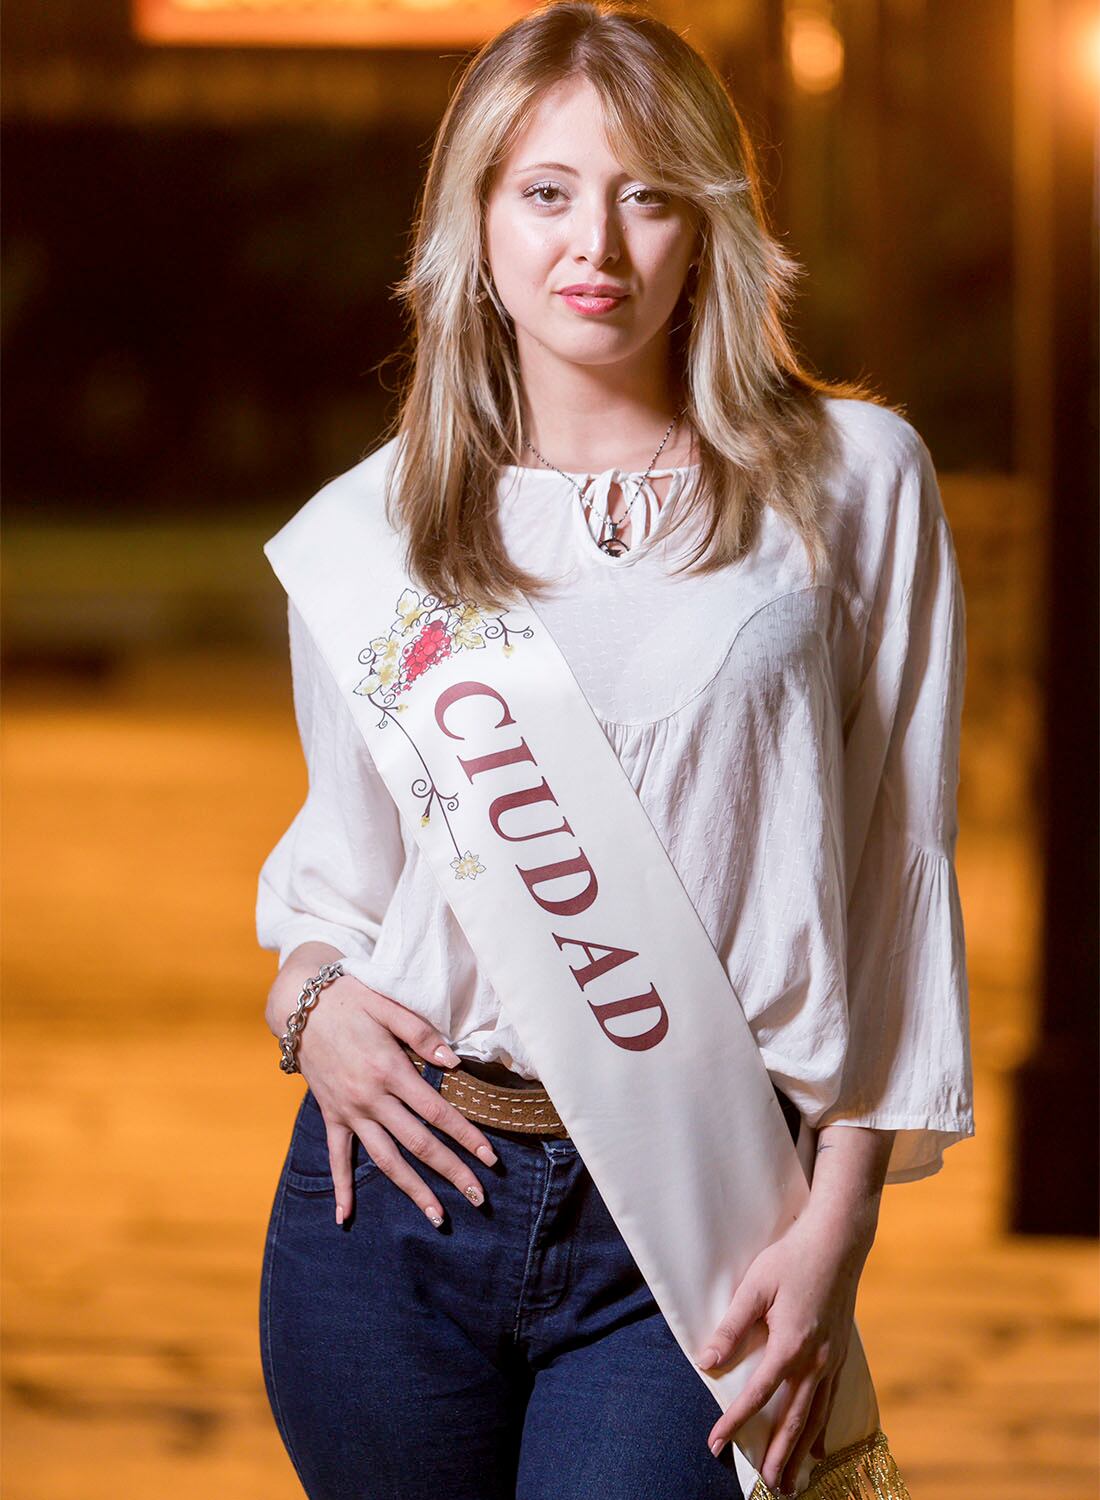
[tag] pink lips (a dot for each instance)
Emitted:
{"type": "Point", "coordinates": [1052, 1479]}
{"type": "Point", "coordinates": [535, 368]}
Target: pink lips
{"type": "Point", "coordinates": [592, 299]}
{"type": "Point", "coordinates": [595, 289]}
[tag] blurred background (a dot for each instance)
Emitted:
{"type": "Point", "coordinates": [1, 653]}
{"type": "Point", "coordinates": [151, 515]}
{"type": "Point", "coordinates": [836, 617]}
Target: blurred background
{"type": "Point", "coordinates": [207, 203]}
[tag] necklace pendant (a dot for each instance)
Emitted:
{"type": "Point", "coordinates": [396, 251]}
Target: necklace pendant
{"type": "Point", "coordinates": [613, 546]}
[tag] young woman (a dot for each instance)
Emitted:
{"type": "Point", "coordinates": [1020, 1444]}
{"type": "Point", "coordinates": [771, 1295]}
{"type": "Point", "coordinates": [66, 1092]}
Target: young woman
{"type": "Point", "coordinates": [750, 574]}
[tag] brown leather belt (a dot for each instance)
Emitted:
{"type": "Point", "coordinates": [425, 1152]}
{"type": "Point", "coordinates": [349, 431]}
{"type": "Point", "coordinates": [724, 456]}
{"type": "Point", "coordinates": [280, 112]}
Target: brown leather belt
{"type": "Point", "coordinates": [529, 1110]}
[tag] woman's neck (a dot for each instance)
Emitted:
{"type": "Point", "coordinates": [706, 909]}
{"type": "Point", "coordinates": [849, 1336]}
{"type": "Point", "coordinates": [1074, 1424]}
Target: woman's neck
{"type": "Point", "coordinates": [588, 419]}
{"type": "Point", "coordinates": [612, 443]}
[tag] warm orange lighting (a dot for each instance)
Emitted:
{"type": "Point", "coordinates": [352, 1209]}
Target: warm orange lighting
{"type": "Point", "coordinates": [1090, 51]}
{"type": "Point", "coordinates": [815, 50]}
{"type": "Point", "coordinates": [323, 23]}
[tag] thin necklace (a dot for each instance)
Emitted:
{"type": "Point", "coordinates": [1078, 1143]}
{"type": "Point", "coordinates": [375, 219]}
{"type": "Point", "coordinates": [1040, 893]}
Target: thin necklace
{"type": "Point", "coordinates": [613, 545]}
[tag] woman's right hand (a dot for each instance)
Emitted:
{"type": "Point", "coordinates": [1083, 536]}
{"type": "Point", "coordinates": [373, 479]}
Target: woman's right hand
{"type": "Point", "coordinates": [365, 1085]}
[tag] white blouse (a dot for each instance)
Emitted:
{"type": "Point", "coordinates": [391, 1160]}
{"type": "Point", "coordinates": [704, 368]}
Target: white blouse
{"type": "Point", "coordinates": [795, 745]}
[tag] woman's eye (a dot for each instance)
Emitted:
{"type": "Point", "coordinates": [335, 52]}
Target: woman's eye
{"type": "Point", "coordinates": [541, 187]}
{"type": "Point", "coordinates": [538, 193]}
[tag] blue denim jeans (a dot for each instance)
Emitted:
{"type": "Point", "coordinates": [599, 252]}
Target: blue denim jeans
{"type": "Point", "coordinates": [515, 1354]}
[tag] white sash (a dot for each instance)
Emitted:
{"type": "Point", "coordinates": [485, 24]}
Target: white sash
{"type": "Point", "coordinates": [579, 920]}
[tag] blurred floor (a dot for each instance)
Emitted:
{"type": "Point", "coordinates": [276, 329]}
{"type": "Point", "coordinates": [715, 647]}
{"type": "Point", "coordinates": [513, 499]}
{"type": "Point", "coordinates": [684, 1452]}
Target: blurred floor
{"type": "Point", "coordinates": [145, 1121]}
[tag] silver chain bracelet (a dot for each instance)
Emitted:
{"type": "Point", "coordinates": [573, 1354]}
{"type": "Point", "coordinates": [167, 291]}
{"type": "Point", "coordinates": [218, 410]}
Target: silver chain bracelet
{"type": "Point", "coordinates": [308, 997]}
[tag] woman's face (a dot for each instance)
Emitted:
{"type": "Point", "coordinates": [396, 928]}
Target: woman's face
{"type": "Point", "coordinates": [562, 213]}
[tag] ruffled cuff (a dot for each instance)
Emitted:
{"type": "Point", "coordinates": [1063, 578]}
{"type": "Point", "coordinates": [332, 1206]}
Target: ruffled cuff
{"type": "Point", "coordinates": [908, 1064]}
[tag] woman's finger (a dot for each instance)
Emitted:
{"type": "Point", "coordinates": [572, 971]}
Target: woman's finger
{"type": "Point", "coordinates": [404, 1080]}
{"type": "Point", "coordinates": [409, 1085]}
{"type": "Point", "coordinates": [817, 1447]}
{"type": "Point", "coordinates": [750, 1302]}
{"type": "Point", "coordinates": [411, 1130]}
{"type": "Point", "coordinates": [761, 1387]}
{"type": "Point", "coordinates": [789, 1427]}
{"type": "Point", "coordinates": [339, 1154]}
{"type": "Point", "coordinates": [814, 1428]}
{"type": "Point", "coordinates": [401, 1022]}
{"type": "Point", "coordinates": [389, 1161]}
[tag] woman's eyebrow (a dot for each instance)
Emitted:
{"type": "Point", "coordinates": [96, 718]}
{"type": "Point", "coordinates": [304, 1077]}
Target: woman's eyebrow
{"type": "Point", "coordinates": [553, 166]}
{"type": "Point", "coordinates": [556, 166]}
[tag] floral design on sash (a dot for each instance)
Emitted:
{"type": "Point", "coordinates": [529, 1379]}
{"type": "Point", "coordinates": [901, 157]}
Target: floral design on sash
{"type": "Point", "coordinates": [424, 633]}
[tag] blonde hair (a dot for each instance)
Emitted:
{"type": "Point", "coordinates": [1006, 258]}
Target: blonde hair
{"type": "Point", "coordinates": [763, 434]}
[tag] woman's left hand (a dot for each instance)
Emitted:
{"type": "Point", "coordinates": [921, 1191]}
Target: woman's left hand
{"type": "Point", "coordinates": [804, 1287]}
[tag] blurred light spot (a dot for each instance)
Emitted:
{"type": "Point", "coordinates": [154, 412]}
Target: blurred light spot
{"type": "Point", "coordinates": [815, 50]}
{"type": "Point", "coordinates": [323, 23]}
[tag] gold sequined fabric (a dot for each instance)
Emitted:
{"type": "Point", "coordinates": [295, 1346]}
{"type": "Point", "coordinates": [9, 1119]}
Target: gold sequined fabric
{"type": "Point", "coordinates": [864, 1470]}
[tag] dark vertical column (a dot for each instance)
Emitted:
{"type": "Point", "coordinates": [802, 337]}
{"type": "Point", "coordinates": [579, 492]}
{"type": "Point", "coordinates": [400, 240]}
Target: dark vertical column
{"type": "Point", "coordinates": [1055, 1165]}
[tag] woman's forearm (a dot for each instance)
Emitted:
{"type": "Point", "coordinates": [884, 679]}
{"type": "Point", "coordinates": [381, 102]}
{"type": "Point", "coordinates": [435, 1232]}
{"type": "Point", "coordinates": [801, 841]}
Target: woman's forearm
{"type": "Point", "coordinates": [849, 1171]}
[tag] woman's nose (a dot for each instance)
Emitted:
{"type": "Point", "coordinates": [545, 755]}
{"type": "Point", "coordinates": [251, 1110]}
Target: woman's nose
{"type": "Point", "coordinates": [598, 237]}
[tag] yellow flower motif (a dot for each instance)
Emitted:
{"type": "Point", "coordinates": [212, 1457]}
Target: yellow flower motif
{"type": "Point", "coordinates": [466, 866]}
{"type": "Point", "coordinates": [424, 820]}
{"type": "Point", "coordinates": [467, 638]}
{"type": "Point", "coordinates": [387, 665]}
{"type": "Point", "coordinates": [409, 612]}
{"type": "Point", "coordinates": [507, 648]}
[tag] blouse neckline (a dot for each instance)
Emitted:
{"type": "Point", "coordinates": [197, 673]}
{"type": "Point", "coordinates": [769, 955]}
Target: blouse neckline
{"type": "Point", "coordinates": [601, 483]}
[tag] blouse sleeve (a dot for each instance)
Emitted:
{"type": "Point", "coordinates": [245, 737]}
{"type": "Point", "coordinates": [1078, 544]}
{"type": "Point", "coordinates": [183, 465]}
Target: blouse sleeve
{"type": "Point", "coordinates": [908, 1063]}
{"type": "Point", "coordinates": [331, 875]}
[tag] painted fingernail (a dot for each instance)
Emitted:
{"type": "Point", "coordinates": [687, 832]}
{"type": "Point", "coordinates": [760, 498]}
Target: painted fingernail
{"type": "Point", "coordinates": [488, 1155]}
{"type": "Point", "coordinates": [716, 1446]}
{"type": "Point", "coordinates": [445, 1055]}
{"type": "Point", "coordinates": [435, 1218]}
{"type": "Point", "coordinates": [708, 1357]}
{"type": "Point", "coordinates": [339, 1214]}
{"type": "Point", "coordinates": [475, 1195]}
